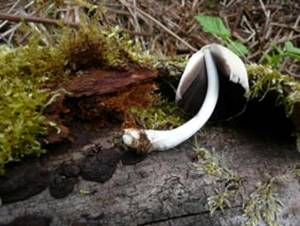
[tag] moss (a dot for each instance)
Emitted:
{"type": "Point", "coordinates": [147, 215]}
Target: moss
{"type": "Point", "coordinates": [32, 61]}
{"type": "Point", "coordinates": [91, 46]}
{"type": "Point", "coordinates": [23, 71]}
{"type": "Point", "coordinates": [262, 205]}
{"type": "Point", "coordinates": [211, 165]}
{"type": "Point", "coordinates": [162, 115]}
{"type": "Point", "coordinates": [264, 80]}
{"type": "Point", "coordinates": [27, 73]}
{"type": "Point", "coordinates": [21, 119]}
{"type": "Point", "coordinates": [221, 200]}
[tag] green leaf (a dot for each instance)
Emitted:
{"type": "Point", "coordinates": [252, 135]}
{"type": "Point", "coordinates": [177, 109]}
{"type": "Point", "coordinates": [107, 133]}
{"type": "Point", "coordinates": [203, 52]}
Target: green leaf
{"type": "Point", "coordinates": [238, 48]}
{"type": "Point", "coordinates": [213, 25]}
{"type": "Point", "coordinates": [291, 50]}
{"type": "Point", "coordinates": [289, 47]}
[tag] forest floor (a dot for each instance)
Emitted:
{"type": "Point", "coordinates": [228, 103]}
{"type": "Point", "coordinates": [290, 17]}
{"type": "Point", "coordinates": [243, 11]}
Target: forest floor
{"type": "Point", "coordinates": [250, 164]}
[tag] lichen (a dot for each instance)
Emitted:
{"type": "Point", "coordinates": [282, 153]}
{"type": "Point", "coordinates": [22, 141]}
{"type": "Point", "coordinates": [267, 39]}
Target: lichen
{"type": "Point", "coordinates": [296, 170]}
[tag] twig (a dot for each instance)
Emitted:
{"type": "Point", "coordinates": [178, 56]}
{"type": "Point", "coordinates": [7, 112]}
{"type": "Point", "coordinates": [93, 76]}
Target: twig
{"type": "Point", "coordinates": [160, 25]}
{"type": "Point", "coordinates": [15, 18]}
{"type": "Point", "coordinates": [285, 26]}
{"type": "Point", "coordinates": [295, 26]}
{"type": "Point", "coordinates": [267, 13]}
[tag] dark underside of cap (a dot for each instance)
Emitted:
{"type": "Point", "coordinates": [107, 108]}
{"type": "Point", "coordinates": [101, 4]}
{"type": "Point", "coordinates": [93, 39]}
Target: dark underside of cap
{"type": "Point", "coordinates": [231, 99]}
{"type": "Point", "coordinates": [194, 95]}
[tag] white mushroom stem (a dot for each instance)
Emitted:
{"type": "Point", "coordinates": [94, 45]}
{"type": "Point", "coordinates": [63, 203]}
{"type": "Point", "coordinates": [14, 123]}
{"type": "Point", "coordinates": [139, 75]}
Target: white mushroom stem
{"type": "Point", "coordinates": [165, 139]}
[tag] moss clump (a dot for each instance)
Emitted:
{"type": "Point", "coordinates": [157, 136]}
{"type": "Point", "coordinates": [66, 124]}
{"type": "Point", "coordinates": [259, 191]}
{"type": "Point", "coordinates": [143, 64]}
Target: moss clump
{"type": "Point", "coordinates": [211, 165]}
{"type": "Point", "coordinates": [264, 80]}
{"type": "Point", "coordinates": [21, 119]}
{"type": "Point", "coordinates": [163, 115]}
{"type": "Point", "coordinates": [90, 46]}
{"type": "Point", "coordinates": [262, 205]}
{"type": "Point", "coordinates": [23, 71]}
{"type": "Point", "coordinates": [221, 200]}
{"type": "Point", "coordinates": [32, 61]}
{"type": "Point", "coordinates": [28, 72]}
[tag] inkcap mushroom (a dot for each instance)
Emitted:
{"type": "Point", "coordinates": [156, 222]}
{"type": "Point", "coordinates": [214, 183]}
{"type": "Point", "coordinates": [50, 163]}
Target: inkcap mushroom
{"type": "Point", "coordinates": [211, 72]}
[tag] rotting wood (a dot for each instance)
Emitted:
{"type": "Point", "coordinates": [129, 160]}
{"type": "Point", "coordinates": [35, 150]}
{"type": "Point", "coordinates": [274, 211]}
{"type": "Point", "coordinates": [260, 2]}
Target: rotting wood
{"type": "Point", "coordinates": [105, 94]}
{"type": "Point", "coordinates": [101, 82]}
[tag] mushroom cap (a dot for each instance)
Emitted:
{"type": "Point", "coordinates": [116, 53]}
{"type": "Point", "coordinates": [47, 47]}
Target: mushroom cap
{"type": "Point", "coordinates": [192, 86]}
{"type": "Point", "coordinates": [233, 79]}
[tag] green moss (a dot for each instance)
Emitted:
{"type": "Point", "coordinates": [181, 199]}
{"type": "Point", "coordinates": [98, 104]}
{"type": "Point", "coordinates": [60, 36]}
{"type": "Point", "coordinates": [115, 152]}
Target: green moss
{"type": "Point", "coordinates": [221, 200]}
{"type": "Point", "coordinates": [163, 115]}
{"type": "Point", "coordinates": [296, 170]}
{"type": "Point", "coordinates": [32, 62]}
{"type": "Point", "coordinates": [264, 80]}
{"type": "Point", "coordinates": [25, 72]}
{"type": "Point", "coordinates": [91, 46]}
{"type": "Point", "coordinates": [211, 165]}
{"type": "Point", "coordinates": [21, 121]}
{"type": "Point", "coordinates": [262, 205]}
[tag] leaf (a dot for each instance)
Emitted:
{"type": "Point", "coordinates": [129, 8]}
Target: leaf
{"type": "Point", "coordinates": [213, 25]}
{"type": "Point", "coordinates": [291, 50]}
{"type": "Point", "coordinates": [238, 48]}
{"type": "Point", "coordinates": [289, 47]}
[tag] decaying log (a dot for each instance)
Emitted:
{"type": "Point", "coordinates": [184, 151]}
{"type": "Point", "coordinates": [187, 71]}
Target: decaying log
{"type": "Point", "coordinates": [165, 189]}
{"type": "Point", "coordinates": [89, 181]}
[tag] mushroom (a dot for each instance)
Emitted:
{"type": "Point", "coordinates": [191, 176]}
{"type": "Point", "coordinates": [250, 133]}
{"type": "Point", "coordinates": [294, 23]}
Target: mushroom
{"type": "Point", "coordinates": [199, 90]}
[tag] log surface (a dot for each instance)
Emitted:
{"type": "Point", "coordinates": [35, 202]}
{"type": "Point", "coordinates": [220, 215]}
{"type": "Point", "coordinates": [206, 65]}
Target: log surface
{"type": "Point", "coordinates": [165, 189]}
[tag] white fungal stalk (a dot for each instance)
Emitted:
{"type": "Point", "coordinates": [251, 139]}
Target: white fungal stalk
{"type": "Point", "coordinates": [149, 140]}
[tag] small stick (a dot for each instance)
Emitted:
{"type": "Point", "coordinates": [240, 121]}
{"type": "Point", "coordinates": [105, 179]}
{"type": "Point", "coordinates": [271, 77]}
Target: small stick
{"type": "Point", "coordinates": [19, 18]}
{"type": "Point", "coordinates": [285, 26]}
